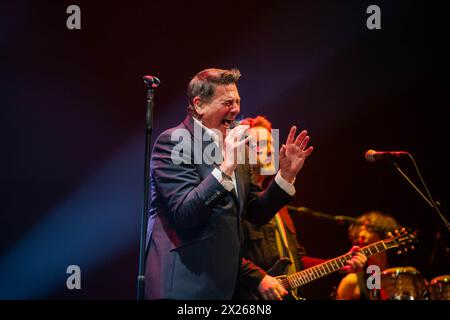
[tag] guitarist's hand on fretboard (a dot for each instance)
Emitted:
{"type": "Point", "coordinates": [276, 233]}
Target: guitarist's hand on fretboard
{"type": "Point", "coordinates": [357, 262]}
{"type": "Point", "coordinates": [271, 289]}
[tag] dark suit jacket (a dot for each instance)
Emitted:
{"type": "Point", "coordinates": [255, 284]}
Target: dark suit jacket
{"type": "Point", "coordinates": [194, 229]}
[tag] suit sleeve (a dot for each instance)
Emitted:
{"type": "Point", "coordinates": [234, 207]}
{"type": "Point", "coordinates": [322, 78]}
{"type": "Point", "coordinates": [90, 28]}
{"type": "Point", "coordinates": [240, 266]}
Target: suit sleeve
{"type": "Point", "coordinates": [263, 205]}
{"type": "Point", "coordinates": [187, 197]}
{"type": "Point", "coordinates": [251, 275]}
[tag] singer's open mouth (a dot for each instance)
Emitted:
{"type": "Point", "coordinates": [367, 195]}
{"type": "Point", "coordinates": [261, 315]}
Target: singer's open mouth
{"type": "Point", "coordinates": [227, 123]}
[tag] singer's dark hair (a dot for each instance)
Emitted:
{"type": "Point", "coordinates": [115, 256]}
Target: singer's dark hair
{"type": "Point", "coordinates": [374, 220]}
{"type": "Point", "coordinates": [204, 83]}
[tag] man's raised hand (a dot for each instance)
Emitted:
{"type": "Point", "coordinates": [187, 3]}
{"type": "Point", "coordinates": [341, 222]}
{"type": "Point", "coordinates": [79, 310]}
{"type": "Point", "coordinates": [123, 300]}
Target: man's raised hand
{"type": "Point", "coordinates": [293, 154]}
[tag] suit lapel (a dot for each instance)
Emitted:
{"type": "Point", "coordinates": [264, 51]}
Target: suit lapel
{"type": "Point", "coordinates": [200, 144]}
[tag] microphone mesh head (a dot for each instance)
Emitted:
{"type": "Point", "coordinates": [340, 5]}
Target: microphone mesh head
{"type": "Point", "coordinates": [151, 81]}
{"type": "Point", "coordinates": [370, 155]}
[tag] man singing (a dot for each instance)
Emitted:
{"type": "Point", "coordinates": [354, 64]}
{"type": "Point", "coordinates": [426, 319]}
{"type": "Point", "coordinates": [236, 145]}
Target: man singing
{"type": "Point", "coordinates": [194, 229]}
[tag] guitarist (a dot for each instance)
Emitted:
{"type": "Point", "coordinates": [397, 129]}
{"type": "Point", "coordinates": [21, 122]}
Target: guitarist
{"type": "Point", "coordinates": [263, 246]}
{"type": "Point", "coordinates": [371, 227]}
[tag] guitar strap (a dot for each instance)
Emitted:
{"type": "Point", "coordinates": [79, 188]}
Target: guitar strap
{"type": "Point", "coordinates": [282, 231]}
{"type": "Point", "coordinates": [285, 252]}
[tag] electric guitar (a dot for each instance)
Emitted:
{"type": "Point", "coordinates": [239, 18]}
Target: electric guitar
{"type": "Point", "coordinates": [298, 279]}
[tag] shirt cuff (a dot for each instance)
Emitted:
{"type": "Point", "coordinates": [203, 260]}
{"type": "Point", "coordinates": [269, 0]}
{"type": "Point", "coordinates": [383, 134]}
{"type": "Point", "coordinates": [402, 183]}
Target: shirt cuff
{"type": "Point", "coordinates": [226, 184]}
{"type": "Point", "coordinates": [283, 184]}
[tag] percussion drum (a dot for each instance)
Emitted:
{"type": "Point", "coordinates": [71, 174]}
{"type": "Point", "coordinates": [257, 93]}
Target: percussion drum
{"type": "Point", "coordinates": [402, 283]}
{"type": "Point", "coordinates": [440, 288]}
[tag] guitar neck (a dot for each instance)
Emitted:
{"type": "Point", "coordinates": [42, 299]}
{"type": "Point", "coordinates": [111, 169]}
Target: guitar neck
{"type": "Point", "coordinates": [305, 276]}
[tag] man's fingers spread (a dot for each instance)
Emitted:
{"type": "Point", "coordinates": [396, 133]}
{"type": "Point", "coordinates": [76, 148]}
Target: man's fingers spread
{"type": "Point", "coordinates": [301, 137]}
{"type": "Point", "coordinates": [290, 138]}
{"type": "Point", "coordinates": [304, 143]}
{"type": "Point", "coordinates": [309, 151]}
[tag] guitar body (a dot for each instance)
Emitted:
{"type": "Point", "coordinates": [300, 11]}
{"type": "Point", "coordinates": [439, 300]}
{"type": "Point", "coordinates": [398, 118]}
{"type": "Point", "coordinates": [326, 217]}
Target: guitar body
{"type": "Point", "coordinates": [279, 268]}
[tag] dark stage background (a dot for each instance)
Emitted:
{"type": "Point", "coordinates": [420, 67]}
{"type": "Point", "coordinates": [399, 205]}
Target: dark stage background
{"type": "Point", "coordinates": [73, 106]}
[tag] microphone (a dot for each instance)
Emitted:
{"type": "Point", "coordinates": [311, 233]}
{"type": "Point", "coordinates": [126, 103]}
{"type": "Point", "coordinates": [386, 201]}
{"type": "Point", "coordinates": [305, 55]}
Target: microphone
{"type": "Point", "coordinates": [151, 81]}
{"type": "Point", "coordinates": [372, 155]}
{"type": "Point", "coordinates": [234, 124]}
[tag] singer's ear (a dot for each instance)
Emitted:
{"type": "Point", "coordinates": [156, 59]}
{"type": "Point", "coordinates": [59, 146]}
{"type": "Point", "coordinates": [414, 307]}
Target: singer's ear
{"type": "Point", "coordinates": [198, 105]}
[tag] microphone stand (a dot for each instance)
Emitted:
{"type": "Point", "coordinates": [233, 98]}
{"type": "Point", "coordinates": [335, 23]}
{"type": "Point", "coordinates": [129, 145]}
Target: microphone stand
{"type": "Point", "coordinates": [411, 183]}
{"type": "Point", "coordinates": [151, 83]}
{"type": "Point", "coordinates": [428, 200]}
